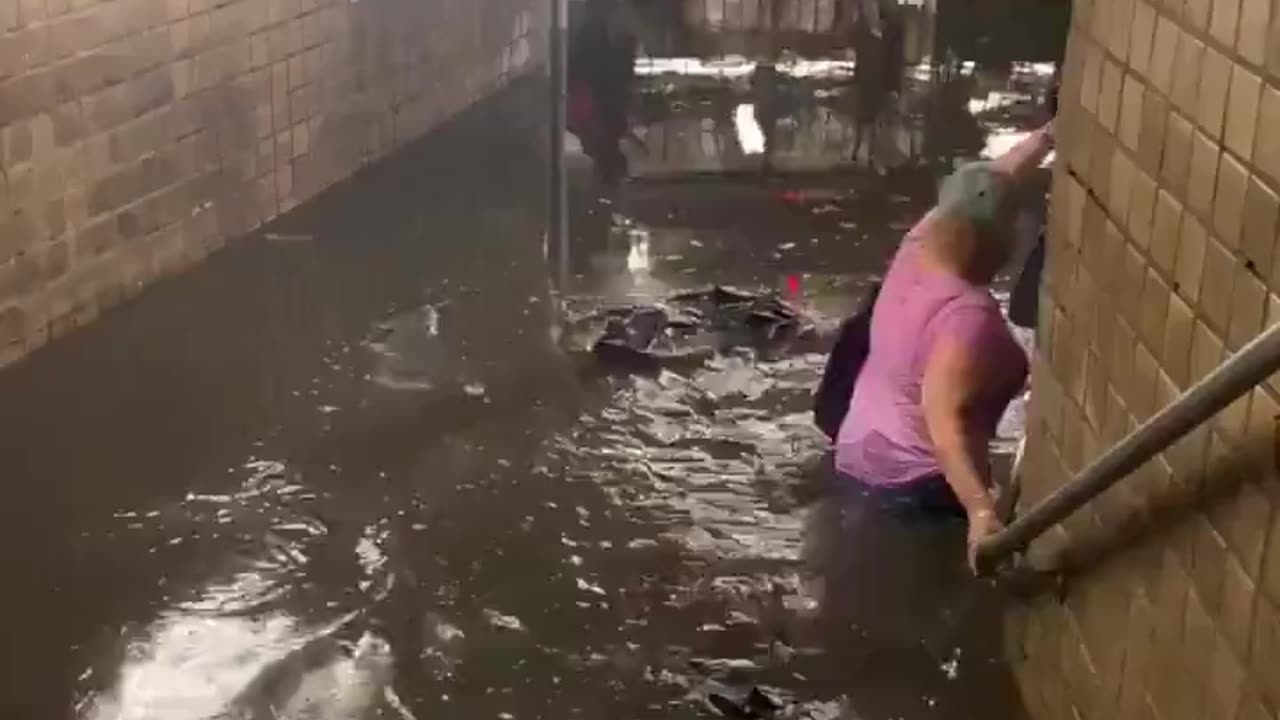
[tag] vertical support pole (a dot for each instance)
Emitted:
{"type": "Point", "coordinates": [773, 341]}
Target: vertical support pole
{"type": "Point", "coordinates": [558, 217]}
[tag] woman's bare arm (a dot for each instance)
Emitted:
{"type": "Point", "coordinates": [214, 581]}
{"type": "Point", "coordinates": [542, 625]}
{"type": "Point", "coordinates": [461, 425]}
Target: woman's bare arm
{"type": "Point", "coordinates": [952, 380]}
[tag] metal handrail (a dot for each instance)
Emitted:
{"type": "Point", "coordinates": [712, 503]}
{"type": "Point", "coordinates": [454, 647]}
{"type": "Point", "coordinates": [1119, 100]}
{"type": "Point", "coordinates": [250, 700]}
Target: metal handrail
{"type": "Point", "coordinates": [1252, 365]}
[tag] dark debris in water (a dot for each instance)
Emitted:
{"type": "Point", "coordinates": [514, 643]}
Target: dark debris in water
{"type": "Point", "coordinates": [755, 704]}
{"type": "Point", "coordinates": [690, 328]}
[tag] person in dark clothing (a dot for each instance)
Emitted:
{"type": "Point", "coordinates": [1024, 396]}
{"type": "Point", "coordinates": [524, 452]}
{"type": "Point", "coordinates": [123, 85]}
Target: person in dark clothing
{"type": "Point", "coordinates": [602, 56]}
{"type": "Point", "coordinates": [892, 48]}
{"type": "Point", "coordinates": [1024, 300]}
{"type": "Point", "coordinates": [878, 41]}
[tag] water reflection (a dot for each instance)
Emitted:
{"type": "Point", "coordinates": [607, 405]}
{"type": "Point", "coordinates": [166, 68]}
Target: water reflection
{"type": "Point", "coordinates": [765, 119]}
{"type": "Point", "coordinates": [889, 92]}
{"type": "Point", "coordinates": [639, 262]}
{"type": "Point", "coordinates": [254, 639]}
{"type": "Point", "coordinates": [750, 137]}
{"type": "Point", "coordinates": [409, 351]}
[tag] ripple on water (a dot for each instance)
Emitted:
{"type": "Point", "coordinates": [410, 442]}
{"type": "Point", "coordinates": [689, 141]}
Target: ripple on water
{"type": "Point", "coordinates": [250, 639]}
{"type": "Point", "coordinates": [407, 350]}
{"type": "Point", "coordinates": [705, 460]}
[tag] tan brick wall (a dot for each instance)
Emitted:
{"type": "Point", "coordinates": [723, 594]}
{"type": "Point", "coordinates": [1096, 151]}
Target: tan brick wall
{"type": "Point", "coordinates": [1163, 257]}
{"type": "Point", "coordinates": [138, 136]}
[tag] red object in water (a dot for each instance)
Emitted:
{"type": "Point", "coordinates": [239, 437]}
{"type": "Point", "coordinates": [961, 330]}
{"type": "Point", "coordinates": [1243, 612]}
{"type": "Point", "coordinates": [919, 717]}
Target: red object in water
{"type": "Point", "coordinates": [793, 285]}
{"type": "Point", "coordinates": [792, 196]}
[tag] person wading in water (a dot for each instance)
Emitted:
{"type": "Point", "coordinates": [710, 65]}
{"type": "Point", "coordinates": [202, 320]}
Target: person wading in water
{"type": "Point", "coordinates": [934, 366]}
{"type": "Point", "coordinates": [942, 365]}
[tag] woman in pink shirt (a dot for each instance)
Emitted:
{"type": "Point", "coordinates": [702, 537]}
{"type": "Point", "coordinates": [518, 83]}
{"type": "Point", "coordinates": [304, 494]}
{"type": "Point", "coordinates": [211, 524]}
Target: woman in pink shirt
{"type": "Point", "coordinates": [941, 369]}
{"type": "Point", "coordinates": [942, 365]}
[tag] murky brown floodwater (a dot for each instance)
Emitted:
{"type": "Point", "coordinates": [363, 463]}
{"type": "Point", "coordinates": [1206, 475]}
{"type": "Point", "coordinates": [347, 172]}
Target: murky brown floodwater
{"type": "Point", "coordinates": [360, 470]}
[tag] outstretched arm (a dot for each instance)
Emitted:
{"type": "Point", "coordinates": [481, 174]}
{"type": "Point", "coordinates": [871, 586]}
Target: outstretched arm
{"type": "Point", "coordinates": [1028, 153]}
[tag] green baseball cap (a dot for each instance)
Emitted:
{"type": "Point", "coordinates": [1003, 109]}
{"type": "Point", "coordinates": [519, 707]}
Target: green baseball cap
{"type": "Point", "coordinates": [985, 196]}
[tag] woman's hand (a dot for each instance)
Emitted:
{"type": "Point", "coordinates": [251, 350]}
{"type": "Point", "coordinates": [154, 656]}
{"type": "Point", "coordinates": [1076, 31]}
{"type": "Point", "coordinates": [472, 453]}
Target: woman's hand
{"type": "Point", "coordinates": [982, 524]}
{"type": "Point", "coordinates": [1019, 160]}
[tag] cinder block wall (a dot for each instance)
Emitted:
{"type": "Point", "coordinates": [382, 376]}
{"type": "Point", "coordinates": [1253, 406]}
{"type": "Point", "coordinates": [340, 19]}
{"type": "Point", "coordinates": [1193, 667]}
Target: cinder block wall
{"type": "Point", "coordinates": [138, 136]}
{"type": "Point", "coordinates": [1163, 259]}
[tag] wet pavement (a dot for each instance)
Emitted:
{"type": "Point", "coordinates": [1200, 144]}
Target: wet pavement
{"type": "Point", "coordinates": [360, 466]}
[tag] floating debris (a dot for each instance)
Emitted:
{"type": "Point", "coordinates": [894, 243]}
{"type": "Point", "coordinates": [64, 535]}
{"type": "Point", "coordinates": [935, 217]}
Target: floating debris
{"type": "Point", "coordinates": [689, 329]}
{"type": "Point", "coordinates": [951, 668]}
{"type": "Point", "coordinates": [506, 622]}
{"type": "Point", "coordinates": [590, 587]}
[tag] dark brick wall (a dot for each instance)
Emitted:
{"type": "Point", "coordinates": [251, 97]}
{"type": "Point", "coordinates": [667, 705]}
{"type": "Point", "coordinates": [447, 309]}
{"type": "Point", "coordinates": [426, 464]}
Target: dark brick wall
{"type": "Point", "coordinates": [138, 136]}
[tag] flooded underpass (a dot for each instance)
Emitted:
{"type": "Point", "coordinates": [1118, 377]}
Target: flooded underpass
{"type": "Point", "coordinates": [372, 462]}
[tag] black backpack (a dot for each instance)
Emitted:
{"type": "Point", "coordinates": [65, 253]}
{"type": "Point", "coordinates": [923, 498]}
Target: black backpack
{"type": "Point", "coordinates": [1024, 300]}
{"type": "Point", "coordinates": [853, 342]}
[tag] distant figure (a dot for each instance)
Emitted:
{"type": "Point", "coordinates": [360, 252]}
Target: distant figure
{"type": "Point", "coordinates": [879, 46]}
{"type": "Point", "coordinates": [943, 365]}
{"type": "Point", "coordinates": [602, 55]}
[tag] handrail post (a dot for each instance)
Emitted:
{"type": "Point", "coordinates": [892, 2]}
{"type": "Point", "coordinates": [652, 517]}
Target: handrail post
{"type": "Point", "coordinates": [1240, 373]}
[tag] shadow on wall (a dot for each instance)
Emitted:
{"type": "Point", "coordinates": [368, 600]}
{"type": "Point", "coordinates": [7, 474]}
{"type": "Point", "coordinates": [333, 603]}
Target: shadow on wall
{"type": "Point", "coordinates": [1127, 528]}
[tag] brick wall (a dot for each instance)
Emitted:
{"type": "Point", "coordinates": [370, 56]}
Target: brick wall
{"type": "Point", "coordinates": [138, 136]}
{"type": "Point", "coordinates": [1163, 258]}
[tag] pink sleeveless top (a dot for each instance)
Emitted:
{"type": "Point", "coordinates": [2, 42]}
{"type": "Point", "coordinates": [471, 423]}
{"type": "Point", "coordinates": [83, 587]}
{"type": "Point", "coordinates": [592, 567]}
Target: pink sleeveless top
{"type": "Point", "coordinates": [884, 439]}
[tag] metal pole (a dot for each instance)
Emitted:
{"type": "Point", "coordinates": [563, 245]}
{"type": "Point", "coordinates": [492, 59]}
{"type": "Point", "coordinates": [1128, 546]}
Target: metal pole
{"type": "Point", "coordinates": [1256, 362]}
{"type": "Point", "coordinates": [558, 220]}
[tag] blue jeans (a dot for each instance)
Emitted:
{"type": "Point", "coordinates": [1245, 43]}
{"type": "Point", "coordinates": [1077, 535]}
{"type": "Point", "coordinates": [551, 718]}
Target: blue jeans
{"type": "Point", "coordinates": [929, 498]}
{"type": "Point", "coordinates": [890, 564]}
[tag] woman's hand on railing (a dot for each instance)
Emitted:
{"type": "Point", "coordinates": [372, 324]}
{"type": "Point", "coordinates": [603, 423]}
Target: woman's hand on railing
{"type": "Point", "coordinates": [982, 524]}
